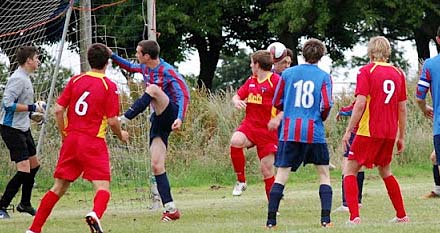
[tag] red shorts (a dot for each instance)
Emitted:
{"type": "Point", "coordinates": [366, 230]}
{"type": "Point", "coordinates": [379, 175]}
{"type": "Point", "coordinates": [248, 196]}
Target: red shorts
{"type": "Point", "coordinates": [266, 141]}
{"type": "Point", "coordinates": [371, 152]}
{"type": "Point", "coordinates": [83, 154]}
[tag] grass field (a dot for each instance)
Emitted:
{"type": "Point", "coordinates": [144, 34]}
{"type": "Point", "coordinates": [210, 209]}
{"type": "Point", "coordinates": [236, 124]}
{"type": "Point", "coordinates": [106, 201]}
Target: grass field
{"type": "Point", "coordinates": [213, 209]}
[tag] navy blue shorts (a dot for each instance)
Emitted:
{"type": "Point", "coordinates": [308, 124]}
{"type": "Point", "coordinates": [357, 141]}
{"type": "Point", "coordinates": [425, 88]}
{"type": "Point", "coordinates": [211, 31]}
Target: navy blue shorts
{"type": "Point", "coordinates": [21, 145]}
{"type": "Point", "coordinates": [350, 141]}
{"type": "Point", "coordinates": [161, 124]}
{"type": "Point", "coordinates": [437, 148]}
{"type": "Point", "coordinates": [293, 154]}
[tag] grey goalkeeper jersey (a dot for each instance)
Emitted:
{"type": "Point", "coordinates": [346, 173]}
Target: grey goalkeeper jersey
{"type": "Point", "coordinates": [18, 90]}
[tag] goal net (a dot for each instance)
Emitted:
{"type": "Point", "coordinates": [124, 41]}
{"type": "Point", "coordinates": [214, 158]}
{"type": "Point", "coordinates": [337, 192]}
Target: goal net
{"type": "Point", "coordinates": [41, 23]}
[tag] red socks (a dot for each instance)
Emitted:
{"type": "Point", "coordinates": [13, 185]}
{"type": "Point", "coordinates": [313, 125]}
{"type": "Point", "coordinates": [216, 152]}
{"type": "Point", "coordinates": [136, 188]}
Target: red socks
{"type": "Point", "coordinates": [268, 185]}
{"type": "Point", "coordinates": [351, 195]}
{"type": "Point", "coordinates": [395, 195]}
{"type": "Point", "coordinates": [238, 161]}
{"type": "Point", "coordinates": [100, 202]}
{"type": "Point", "coordinates": [46, 205]}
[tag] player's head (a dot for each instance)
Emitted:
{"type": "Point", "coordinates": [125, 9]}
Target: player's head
{"type": "Point", "coordinates": [98, 55]}
{"type": "Point", "coordinates": [263, 59]}
{"type": "Point", "coordinates": [437, 38]}
{"type": "Point", "coordinates": [149, 47]}
{"type": "Point", "coordinates": [284, 63]}
{"type": "Point", "coordinates": [379, 49]}
{"type": "Point", "coordinates": [28, 55]}
{"type": "Point", "coordinates": [313, 50]}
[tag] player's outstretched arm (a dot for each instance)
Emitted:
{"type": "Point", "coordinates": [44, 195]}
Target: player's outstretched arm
{"type": "Point", "coordinates": [125, 64]}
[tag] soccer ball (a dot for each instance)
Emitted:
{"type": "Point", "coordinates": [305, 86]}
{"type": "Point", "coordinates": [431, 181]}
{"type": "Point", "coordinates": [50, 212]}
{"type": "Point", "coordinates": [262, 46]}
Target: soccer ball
{"type": "Point", "coordinates": [41, 104]}
{"type": "Point", "coordinates": [278, 51]}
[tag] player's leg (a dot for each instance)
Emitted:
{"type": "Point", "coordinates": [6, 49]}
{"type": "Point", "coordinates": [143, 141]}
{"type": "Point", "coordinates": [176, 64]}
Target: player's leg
{"type": "Point", "coordinates": [325, 194]}
{"type": "Point", "coordinates": [102, 197]}
{"type": "Point", "coordinates": [239, 140]}
{"type": "Point", "coordinates": [28, 183]}
{"type": "Point", "coordinates": [15, 140]}
{"type": "Point", "coordinates": [393, 188]}
{"type": "Point", "coordinates": [267, 170]}
{"type": "Point", "coordinates": [276, 193]}
{"type": "Point", "coordinates": [151, 92]}
{"type": "Point", "coordinates": [351, 188]}
{"type": "Point", "coordinates": [48, 202]}
{"type": "Point", "coordinates": [436, 175]}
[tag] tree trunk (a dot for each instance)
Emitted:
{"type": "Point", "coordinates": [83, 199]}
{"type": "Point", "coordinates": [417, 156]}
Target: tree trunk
{"type": "Point", "coordinates": [209, 54]}
{"type": "Point", "coordinates": [422, 44]}
{"type": "Point", "coordinates": [291, 42]}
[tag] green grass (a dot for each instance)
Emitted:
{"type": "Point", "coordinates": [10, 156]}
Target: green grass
{"type": "Point", "coordinates": [213, 209]}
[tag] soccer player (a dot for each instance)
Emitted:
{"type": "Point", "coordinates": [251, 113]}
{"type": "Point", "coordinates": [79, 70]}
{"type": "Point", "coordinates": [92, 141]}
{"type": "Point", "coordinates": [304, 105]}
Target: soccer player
{"type": "Point", "coordinates": [281, 65]}
{"type": "Point", "coordinates": [435, 193]}
{"type": "Point", "coordinates": [91, 103]}
{"type": "Point", "coordinates": [168, 94]}
{"type": "Point", "coordinates": [304, 93]}
{"type": "Point", "coordinates": [346, 112]}
{"type": "Point", "coordinates": [17, 104]}
{"type": "Point", "coordinates": [256, 95]}
{"type": "Point", "coordinates": [380, 114]}
{"type": "Point", "coordinates": [430, 81]}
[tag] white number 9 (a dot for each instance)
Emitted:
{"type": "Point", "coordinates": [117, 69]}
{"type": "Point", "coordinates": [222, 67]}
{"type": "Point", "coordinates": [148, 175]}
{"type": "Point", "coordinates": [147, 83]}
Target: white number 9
{"type": "Point", "coordinates": [388, 88]}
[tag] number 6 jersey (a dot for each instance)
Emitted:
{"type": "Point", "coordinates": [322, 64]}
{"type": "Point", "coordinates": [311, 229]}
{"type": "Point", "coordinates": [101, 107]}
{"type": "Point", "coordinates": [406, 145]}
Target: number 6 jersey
{"type": "Point", "coordinates": [304, 93]}
{"type": "Point", "coordinates": [90, 99]}
{"type": "Point", "coordinates": [384, 86]}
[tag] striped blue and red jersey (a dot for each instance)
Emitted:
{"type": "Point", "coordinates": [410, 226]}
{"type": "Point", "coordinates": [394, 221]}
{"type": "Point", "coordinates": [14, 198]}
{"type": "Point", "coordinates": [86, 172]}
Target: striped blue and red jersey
{"type": "Point", "coordinates": [304, 93]}
{"type": "Point", "coordinates": [165, 76]}
{"type": "Point", "coordinates": [430, 81]}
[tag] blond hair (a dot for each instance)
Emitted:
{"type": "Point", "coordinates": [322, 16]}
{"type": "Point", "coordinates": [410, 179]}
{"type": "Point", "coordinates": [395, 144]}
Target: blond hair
{"type": "Point", "coordinates": [379, 49]}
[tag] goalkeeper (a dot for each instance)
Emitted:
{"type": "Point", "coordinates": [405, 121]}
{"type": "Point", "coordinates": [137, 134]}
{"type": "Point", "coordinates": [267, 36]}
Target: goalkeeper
{"type": "Point", "coordinates": [17, 104]}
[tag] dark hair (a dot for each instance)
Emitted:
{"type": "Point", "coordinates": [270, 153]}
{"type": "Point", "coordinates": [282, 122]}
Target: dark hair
{"type": "Point", "coordinates": [438, 31]}
{"type": "Point", "coordinates": [290, 53]}
{"type": "Point", "coordinates": [263, 58]}
{"type": "Point", "coordinates": [150, 47]}
{"type": "Point", "coordinates": [98, 55]}
{"type": "Point", "coordinates": [25, 52]}
{"type": "Point", "coordinates": [313, 50]}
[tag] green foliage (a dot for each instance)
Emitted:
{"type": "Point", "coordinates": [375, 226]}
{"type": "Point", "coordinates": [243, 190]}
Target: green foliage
{"type": "Point", "coordinates": [233, 72]}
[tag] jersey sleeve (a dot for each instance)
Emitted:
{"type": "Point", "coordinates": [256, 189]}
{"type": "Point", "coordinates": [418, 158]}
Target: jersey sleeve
{"type": "Point", "coordinates": [243, 91]}
{"type": "Point", "coordinates": [363, 83]}
{"type": "Point", "coordinates": [112, 104]}
{"type": "Point", "coordinates": [403, 96]}
{"type": "Point", "coordinates": [181, 92]}
{"type": "Point", "coordinates": [278, 98]}
{"type": "Point", "coordinates": [326, 97]}
{"type": "Point", "coordinates": [13, 89]}
{"type": "Point", "coordinates": [66, 94]}
{"type": "Point", "coordinates": [424, 82]}
{"type": "Point", "coordinates": [126, 65]}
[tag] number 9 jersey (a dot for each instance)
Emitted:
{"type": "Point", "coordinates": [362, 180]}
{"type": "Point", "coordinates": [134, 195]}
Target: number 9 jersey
{"type": "Point", "coordinates": [384, 86]}
{"type": "Point", "coordinates": [90, 99]}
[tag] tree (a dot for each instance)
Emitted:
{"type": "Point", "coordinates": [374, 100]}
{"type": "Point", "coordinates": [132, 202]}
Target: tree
{"type": "Point", "coordinates": [233, 72]}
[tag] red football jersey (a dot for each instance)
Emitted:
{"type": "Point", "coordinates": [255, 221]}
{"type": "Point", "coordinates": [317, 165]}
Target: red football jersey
{"type": "Point", "coordinates": [384, 86]}
{"type": "Point", "coordinates": [90, 100]}
{"type": "Point", "coordinates": [259, 95]}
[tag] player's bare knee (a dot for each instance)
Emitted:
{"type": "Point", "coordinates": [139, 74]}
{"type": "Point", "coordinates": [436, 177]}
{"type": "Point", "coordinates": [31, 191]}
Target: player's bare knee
{"type": "Point", "coordinates": [153, 89]}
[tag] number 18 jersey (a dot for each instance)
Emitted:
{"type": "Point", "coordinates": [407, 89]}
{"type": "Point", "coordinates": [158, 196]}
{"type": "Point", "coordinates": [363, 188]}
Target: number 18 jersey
{"type": "Point", "coordinates": [304, 93]}
{"type": "Point", "coordinates": [384, 86]}
{"type": "Point", "coordinates": [90, 99]}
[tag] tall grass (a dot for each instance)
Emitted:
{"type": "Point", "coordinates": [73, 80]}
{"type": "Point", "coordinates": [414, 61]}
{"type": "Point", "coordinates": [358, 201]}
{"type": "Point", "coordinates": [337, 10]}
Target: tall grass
{"type": "Point", "coordinates": [199, 153]}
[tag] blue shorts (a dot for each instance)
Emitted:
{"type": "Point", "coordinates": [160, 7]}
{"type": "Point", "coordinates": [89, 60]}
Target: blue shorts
{"type": "Point", "coordinates": [437, 148]}
{"type": "Point", "coordinates": [293, 154]}
{"type": "Point", "coordinates": [350, 141]}
{"type": "Point", "coordinates": [21, 145]}
{"type": "Point", "coordinates": [161, 124]}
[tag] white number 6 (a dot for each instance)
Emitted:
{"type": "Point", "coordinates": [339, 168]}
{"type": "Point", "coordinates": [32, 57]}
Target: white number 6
{"type": "Point", "coordinates": [388, 88]}
{"type": "Point", "coordinates": [81, 106]}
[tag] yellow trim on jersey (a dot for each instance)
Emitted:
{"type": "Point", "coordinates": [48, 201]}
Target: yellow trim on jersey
{"type": "Point", "coordinates": [266, 78]}
{"type": "Point", "coordinates": [102, 128]}
{"type": "Point", "coordinates": [76, 79]}
{"type": "Point", "coordinates": [364, 123]}
{"type": "Point", "coordinates": [98, 75]}
{"type": "Point", "coordinates": [273, 112]}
